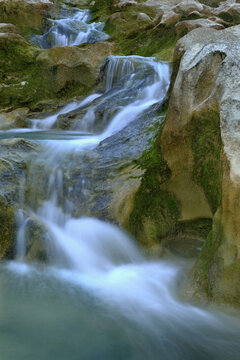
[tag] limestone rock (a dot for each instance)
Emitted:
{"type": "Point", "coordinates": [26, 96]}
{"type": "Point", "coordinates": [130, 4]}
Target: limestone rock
{"type": "Point", "coordinates": [114, 17]}
{"type": "Point", "coordinates": [188, 6]}
{"type": "Point", "coordinates": [170, 18]}
{"type": "Point", "coordinates": [183, 27]}
{"type": "Point", "coordinates": [29, 74]}
{"type": "Point", "coordinates": [201, 146]}
{"type": "Point", "coordinates": [14, 119]}
{"type": "Point", "coordinates": [143, 17]}
{"type": "Point", "coordinates": [8, 28]}
{"type": "Point", "coordinates": [25, 14]}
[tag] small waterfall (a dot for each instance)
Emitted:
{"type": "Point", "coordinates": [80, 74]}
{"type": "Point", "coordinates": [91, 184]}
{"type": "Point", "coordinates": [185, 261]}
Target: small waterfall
{"type": "Point", "coordinates": [116, 68]}
{"type": "Point", "coordinates": [98, 296]}
{"type": "Point", "coordinates": [72, 29]}
{"type": "Point", "coordinates": [21, 236]}
{"type": "Point", "coordinates": [49, 121]}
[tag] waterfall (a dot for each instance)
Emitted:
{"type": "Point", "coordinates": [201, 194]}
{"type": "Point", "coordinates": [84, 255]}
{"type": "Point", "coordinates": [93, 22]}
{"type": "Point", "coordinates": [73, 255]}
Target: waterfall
{"type": "Point", "coordinates": [70, 31]}
{"type": "Point", "coordinates": [97, 296]}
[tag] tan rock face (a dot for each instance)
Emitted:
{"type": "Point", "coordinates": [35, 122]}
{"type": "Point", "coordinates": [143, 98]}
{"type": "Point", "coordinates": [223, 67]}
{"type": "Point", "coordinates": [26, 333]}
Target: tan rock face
{"type": "Point", "coordinates": [202, 121]}
{"type": "Point", "coordinates": [29, 74]}
{"type": "Point", "coordinates": [8, 28]}
{"type": "Point", "coordinates": [184, 27]}
{"type": "Point", "coordinates": [25, 14]}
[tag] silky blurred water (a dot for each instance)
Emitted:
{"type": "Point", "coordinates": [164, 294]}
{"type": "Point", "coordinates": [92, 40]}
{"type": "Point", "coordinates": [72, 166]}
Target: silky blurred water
{"type": "Point", "coordinates": [96, 296]}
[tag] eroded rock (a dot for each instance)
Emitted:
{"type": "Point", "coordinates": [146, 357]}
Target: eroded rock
{"type": "Point", "coordinates": [201, 146]}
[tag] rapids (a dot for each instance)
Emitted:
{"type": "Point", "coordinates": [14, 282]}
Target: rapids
{"type": "Point", "coordinates": [96, 295]}
{"type": "Point", "coordinates": [70, 28]}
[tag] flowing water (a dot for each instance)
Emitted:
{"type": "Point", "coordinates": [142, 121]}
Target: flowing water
{"type": "Point", "coordinates": [71, 28]}
{"type": "Point", "coordinates": [96, 296]}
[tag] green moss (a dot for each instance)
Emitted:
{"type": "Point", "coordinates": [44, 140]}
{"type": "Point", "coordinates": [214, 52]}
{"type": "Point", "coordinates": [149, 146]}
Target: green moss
{"type": "Point", "coordinates": [206, 259]}
{"type": "Point", "coordinates": [155, 210]}
{"type": "Point", "coordinates": [212, 3]}
{"type": "Point", "coordinates": [206, 146]}
{"type": "Point", "coordinates": [159, 42]}
{"type": "Point", "coordinates": [134, 35]}
{"type": "Point", "coordinates": [29, 75]}
{"type": "Point", "coordinates": [199, 228]}
{"type": "Point", "coordinates": [7, 229]}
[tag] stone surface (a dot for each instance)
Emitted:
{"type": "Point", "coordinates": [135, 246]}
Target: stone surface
{"type": "Point", "coordinates": [203, 119]}
{"type": "Point", "coordinates": [8, 28]}
{"type": "Point", "coordinates": [13, 165]}
{"type": "Point", "coordinates": [29, 74]}
{"type": "Point", "coordinates": [25, 14]}
{"type": "Point", "coordinates": [183, 27]}
{"type": "Point", "coordinates": [14, 119]}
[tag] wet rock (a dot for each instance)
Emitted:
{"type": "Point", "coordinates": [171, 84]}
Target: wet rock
{"type": "Point", "coordinates": [13, 165]}
{"type": "Point", "coordinates": [14, 119]}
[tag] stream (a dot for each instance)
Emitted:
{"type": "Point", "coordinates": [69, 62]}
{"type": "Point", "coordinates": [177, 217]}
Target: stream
{"type": "Point", "coordinates": [84, 289]}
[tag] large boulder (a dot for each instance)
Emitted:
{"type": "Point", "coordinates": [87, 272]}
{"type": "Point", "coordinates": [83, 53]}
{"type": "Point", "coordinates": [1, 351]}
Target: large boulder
{"type": "Point", "coordinates": [29, 74]}
{"type": "Point", "coordinates": [28, 15]}
{"type": "Point", "coordinates": [200, 143]}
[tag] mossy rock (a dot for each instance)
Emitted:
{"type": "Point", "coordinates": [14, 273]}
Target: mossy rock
{"type": "Point", "coordinates": [206, 146]}
{"type": "Point", "coordinates": [155, 210]}
{"type": "Point", "coordinates": [27, 16]}
{"type": "Point", "coordinates": [7, 229]}
{"type": "Point", "coordinates": [31, 75]}
{"type": "Point", "coordinates": [132, 33]}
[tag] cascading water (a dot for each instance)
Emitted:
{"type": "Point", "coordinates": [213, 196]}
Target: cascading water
{"type": "Point", "coordinates": [71, 29]}
{"type": "Point", "coordinates": [97, 296]}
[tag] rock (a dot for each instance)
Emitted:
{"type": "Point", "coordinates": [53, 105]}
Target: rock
{"type": "Point", "coordinates": [143, 17]}
{"type": "Point", "coordinates": [229, 12]}
{"type": "Point", "coordinates": [170, 18]}
{"type": "Point", "coordinates": [29, 74]}
{"type": "Point", "coordinates": [187, 6]}
{"type": "Point", "coordinates": [124, 4]}
{"type": "Point", "coordinates": [8, 28]}
{"type": "Point", "coordinates": [114, 17]}
{"type": "Point", "coordinates": [25, 14]}
{"type": "Point", "coordinates": [14, 119]}
{"type": "Point", "coordinates": [201, 146]}
{"type": "Point", "coordinates": [183, 27]}
{"type": "Point", "coordinates": [7, 229]}
{"type": "Point", "coordinates": [13, 165]}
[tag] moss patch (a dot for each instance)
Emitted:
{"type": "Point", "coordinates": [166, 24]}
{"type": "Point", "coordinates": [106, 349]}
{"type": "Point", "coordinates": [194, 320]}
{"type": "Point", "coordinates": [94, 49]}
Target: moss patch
{"type": "Point", "coordinates": [201, 278]}
{"type": "Point", "coordinates": [134, 35]}
{"type": "Point", "coordinates": [206, 146]}
{"type": "Point", "coordinates": [155, 210]}
{"type": "Point", "coordinates": [7, 229]}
